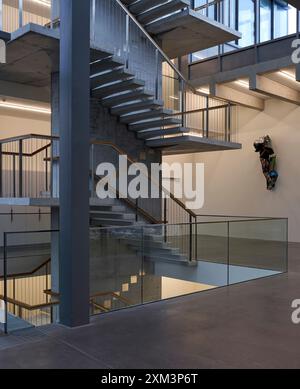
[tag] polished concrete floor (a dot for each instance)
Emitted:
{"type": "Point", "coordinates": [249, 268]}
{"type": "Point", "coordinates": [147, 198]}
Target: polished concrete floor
{"type": "Point", "coordinates": [244, 326]}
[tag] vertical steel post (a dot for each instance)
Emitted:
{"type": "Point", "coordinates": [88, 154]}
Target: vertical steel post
{"type": "Point", "coordinates": [20, 13]}
{"type": "Point", "coordinates": [20, 168]}
{"type": "Point", "coordinates": [5, 282]}
{"type": "Point", "coordinates": [74, 190]}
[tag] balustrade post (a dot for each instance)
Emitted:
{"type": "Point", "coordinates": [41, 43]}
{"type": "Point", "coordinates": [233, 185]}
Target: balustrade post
{"type": "Point", "coordinates": [20, 13]}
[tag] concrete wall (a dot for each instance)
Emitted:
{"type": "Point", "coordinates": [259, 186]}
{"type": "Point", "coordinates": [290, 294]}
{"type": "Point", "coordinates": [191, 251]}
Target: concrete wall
{"type": "Point", "coordinates": [234, 184]}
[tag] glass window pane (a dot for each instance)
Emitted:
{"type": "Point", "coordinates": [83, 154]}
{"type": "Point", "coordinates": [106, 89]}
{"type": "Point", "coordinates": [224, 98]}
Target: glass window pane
{"type": "Point", "coordinates": [246, 22]}
{"type": "Point", "coordinates": [285, 19]}
{"type": "Point", "coordinates": [265, 20]}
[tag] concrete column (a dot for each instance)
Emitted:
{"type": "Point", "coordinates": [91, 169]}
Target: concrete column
{"type": "Point", "coordinates": [74, 162]}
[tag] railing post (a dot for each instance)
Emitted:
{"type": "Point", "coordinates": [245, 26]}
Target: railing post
{"type": "Point", "coordinates": [182, 102]}
{"type": "Point", "coordinates": [229, 123]}
{"type": "Point", "coordinates": [1, 169]}
{"type": "Point", "coordinates": [165, 218]}
{"type": "Point", "coordinates": [127, 33]}
{"type": "Point", "coordinates": [196, 239]}
{"type": "Point", "coordinates": [46, 169]}
{"type": "Point", "coordinates": [5, 282]}
{"type": "Point", "coordinates": [191, 239]}
{"type": "Point", "coordinates": [93, 189]}
{"type": "Point", "coordinates": [157, 74]}
{"type": "Point", "coordinates": [20, 13]}
{"type": "Point", "coordinates": [21, 168]}
{"type": "Point", "coordinates": [1, 15]}
{"type": "Point", "coordinates": [14, 176]}
{"type": "Point", "coordinates": [207, 118]}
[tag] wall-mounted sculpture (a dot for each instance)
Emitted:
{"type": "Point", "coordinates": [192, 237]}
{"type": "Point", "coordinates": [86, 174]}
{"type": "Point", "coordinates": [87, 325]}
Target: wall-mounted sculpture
{"type": "Point", "coordinates": [263, 146]}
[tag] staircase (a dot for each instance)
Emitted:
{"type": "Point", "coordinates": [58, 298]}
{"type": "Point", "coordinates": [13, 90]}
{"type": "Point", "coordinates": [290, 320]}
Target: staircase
{"type": "Point", "coordinates": [127, 98]}
{"type": "Point", "coordinates": [155, 246]}
{"type": "Point", "coordinates": [151, 11]}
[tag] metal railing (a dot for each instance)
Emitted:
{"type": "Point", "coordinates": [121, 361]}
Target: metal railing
{"type": "Point", "coordinates": [25, 279]}
{"type": "Point", "coordinates": [25, 168]}
{"type": "Point", "coordinates": [165, 208]}
{"type": "Point", "coordinates": [207, 116]}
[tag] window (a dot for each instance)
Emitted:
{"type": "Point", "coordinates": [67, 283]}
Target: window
{"type": "Point", "coordinates": [246, 22]}
{"type": "Point", "coordinates": [285, 17]}
{"type": "Point", "coordinates": [274, 19]}
{"type": "Point", "coordinates": [265, 30]}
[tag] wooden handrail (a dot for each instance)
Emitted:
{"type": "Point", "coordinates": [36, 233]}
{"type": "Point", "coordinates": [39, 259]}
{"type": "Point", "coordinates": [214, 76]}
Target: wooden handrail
{"type": "Point", "coordinates": [29, 273]}
{"type": "Point", "coordinates": [130, 159]}
{"type": "Point", "coordinates": [28, 306]}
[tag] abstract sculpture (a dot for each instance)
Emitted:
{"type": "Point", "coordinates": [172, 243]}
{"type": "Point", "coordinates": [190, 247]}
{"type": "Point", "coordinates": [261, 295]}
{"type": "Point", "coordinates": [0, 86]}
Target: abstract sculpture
{"type": "Point", "coordinates": [263, 146]}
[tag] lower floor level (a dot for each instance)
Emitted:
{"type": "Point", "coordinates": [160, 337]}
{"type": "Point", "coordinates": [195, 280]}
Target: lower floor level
{"type": "Point", "coordinates": [246, 325]}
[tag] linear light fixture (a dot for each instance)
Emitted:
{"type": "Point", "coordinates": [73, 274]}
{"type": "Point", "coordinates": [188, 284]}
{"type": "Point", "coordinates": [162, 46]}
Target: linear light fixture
{"type": "Point", "coordinates": [286, 74]}
{"type": "Point", "coordinates": [243, 83]}
{"type": "Point", "coordinates": [22, 107]}
{"type": "Point", "coordinates": [203, 90]}
{"type": "Point", "coordinates": [43, 2]}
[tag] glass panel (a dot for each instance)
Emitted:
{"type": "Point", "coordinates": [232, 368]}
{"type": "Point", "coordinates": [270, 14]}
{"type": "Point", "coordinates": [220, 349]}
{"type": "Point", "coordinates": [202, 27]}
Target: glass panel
{"type": "Point", "coordinates": [170, 266]}
{"type": "Point", "coordinates": [116, 268]}
{"type": "Point", "coordinates": [257, 249]}
{"type": "Point", "coordinates": [30, 298]}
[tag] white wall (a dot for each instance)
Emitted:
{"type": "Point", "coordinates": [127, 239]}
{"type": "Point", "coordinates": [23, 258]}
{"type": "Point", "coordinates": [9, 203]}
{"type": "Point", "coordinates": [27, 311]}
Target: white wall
{"type": "Point", "coordinates": [234, 183]}
{"type": "Point", "coordinates": [15, 123]}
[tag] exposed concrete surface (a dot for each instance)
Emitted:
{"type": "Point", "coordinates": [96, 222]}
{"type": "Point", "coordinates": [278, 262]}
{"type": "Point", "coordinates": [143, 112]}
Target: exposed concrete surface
{"type": "Point", "coordinates": [245, 326]}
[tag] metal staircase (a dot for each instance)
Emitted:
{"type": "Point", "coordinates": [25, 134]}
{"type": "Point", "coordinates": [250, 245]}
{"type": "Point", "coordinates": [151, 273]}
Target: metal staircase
{"type": "Point", "coordinates": [150, 11]}
{"type": "Point", "coordinates": [128, 99]}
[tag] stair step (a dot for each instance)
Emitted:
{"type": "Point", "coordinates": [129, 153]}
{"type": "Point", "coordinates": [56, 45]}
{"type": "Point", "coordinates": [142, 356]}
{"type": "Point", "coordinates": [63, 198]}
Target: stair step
{"type": "Point", "coordinates": [135, 95]}
{"type": "Point", "coordinates": [97, 215]}
{"type": "Point", "coordinates": [105, 64]}
{"type": "Point", "coordinates": [111, 222]}
{"type": "Point", "coordinates": [122, 86]}
{"type": "Point", "coordinates": [107, 208]}
{"type": "Point", "coordinates": [142, 5]}
{"type": "Point", "coordinates": [141, 116]}
{"type": "Point", "coordinates": [136, 106]}
{"type": "Point", "coordinates": [158, 132]}
{"type": "Point", "coordinates": [97, 55]}
{"type": "Point", "coordinates": [154, 124]}
{"type": "Point", "coordinates": [109, 77]}
{"type": "Point", "coordinates": [162, 10]}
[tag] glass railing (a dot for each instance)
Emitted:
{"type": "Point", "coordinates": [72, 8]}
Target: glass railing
{"type": "Point", "coordinates": [26, 296]}
{"type": "Point", "coordinates": [136, 265]}
{"type": "Point", "coordinates": [18, 13]}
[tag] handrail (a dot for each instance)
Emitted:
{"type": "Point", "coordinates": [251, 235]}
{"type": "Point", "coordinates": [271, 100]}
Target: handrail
{"type": "Point", "coordinates": [130, 159]}
{"type": "Point", "coordinates": [168, 60]}
{"type": "Point", "coordinates": [164, 55]}
{"type": "Point", "coordinates": [28, 136]}
{"type": "Point", "coordinates": [28, 306]}
{"type": "Point", "coordinates": [205, 6]}
{"type": "Point", "coordinates": [21, 275]}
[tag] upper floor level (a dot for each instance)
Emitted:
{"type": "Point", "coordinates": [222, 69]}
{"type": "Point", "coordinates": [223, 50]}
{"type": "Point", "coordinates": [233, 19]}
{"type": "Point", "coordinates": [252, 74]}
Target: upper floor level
{"type": "Point", "coordinates": [258, 21]}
